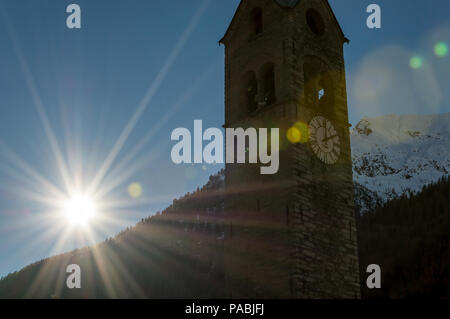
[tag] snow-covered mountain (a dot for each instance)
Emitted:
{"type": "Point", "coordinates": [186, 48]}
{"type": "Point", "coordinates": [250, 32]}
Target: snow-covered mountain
{"type": "Point", "coordinates": [396, 154]}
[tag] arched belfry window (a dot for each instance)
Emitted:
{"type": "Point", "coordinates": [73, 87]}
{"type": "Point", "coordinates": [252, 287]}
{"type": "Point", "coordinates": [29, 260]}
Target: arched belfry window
{"type": "Point", "coordinates": [257, 21]}
{"type": "Point", "coordinates": [268, 83]}
{"type": "Point", "coordinates": [325, 90]}
{"type": "Point", "coordinates": [249, 92]}
{"type": "Point", "coordinates": [315, 22]}
{"type": "Point", "coordinates": [318, 84]}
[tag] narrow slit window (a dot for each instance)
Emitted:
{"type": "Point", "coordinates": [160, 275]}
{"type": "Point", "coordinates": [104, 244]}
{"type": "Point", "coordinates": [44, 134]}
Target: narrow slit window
{"type": "Point", "coordinates": [257, 20]}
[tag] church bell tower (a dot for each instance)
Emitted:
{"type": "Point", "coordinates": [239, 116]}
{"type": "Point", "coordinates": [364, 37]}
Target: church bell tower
{"type": "Point", "coordinates": [292, 234]}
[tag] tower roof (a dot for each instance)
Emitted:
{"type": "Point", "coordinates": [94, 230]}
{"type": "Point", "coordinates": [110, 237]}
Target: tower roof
{"type": "Point", "coordinates": [290, 4]}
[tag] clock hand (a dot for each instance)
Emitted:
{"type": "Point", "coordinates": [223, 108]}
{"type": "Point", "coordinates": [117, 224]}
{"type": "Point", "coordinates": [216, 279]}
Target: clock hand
{"type": "Point", "coordinates": [329, 138]}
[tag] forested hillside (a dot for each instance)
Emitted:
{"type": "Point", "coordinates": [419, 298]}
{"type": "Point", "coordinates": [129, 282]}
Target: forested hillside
{"type": "Point", "coordinates": [178, 252]}
{"type": "Point", "coordinates": [409, 238]}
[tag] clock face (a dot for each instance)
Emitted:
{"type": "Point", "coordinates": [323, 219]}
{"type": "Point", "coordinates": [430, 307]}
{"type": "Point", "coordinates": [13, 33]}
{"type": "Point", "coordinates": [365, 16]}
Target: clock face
{"type": "Point", "coordinates": [324, 140]}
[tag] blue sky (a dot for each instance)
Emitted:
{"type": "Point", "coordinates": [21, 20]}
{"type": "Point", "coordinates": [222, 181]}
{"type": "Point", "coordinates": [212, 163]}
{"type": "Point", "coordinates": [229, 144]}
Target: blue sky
{"type": "Point", "coordinates": [72, 94]}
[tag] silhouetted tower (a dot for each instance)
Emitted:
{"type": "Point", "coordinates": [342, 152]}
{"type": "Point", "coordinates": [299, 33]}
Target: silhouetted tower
{"type": "Point", "coordinates": [291, 234]}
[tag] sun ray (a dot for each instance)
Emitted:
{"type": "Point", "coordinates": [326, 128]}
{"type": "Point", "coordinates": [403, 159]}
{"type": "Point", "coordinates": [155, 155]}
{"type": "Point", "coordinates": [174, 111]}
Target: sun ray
{"type": "Point", "coordinates": [43, 235]}
{"type": "Point", "coordinates": [120, 167]}
{"type": "Point", "coordinates": [148, 96]}
{"type": "Point", "coordinates": [13, 158]}
{"type": "Point", "coordinates": [38, 104]}
{"type": "Point", "coordinates": [123, 274]}
{"type": "Point", "coordinates": [34, 285]}
{"type": "Point", "coordinates": [23, 192]}
{"type": "Point", "coordinates": [101, 265]}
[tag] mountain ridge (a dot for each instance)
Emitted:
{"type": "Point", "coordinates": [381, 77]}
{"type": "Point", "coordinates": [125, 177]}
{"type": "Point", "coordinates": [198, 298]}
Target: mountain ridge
{"type": "Point", "coordinates": [397, 154]}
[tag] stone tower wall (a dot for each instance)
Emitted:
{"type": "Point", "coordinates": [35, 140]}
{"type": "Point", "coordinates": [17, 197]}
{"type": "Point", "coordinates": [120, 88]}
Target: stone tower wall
{"type": "Point", "coordinates": [291, 234]}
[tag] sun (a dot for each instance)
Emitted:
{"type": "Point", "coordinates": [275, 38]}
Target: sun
{"type": "Point", "coordinates": [80, 209]}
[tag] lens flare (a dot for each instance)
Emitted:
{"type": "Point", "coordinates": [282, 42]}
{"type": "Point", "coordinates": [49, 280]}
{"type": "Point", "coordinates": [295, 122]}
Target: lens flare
{"type": "Point", "coordinates": [135, 190]}
{"type": "Point", "coordinates": [298, 133]}
{"type": "Point", "coordinates": [294, 135]}
{"type": "Point", "coordinates": [441, 49]}
{"type": "Point", "coordinates": [416, 62]}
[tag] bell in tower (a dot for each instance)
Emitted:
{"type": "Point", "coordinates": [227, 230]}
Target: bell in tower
{"type": "Point", "coordinates": [291, 234]}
